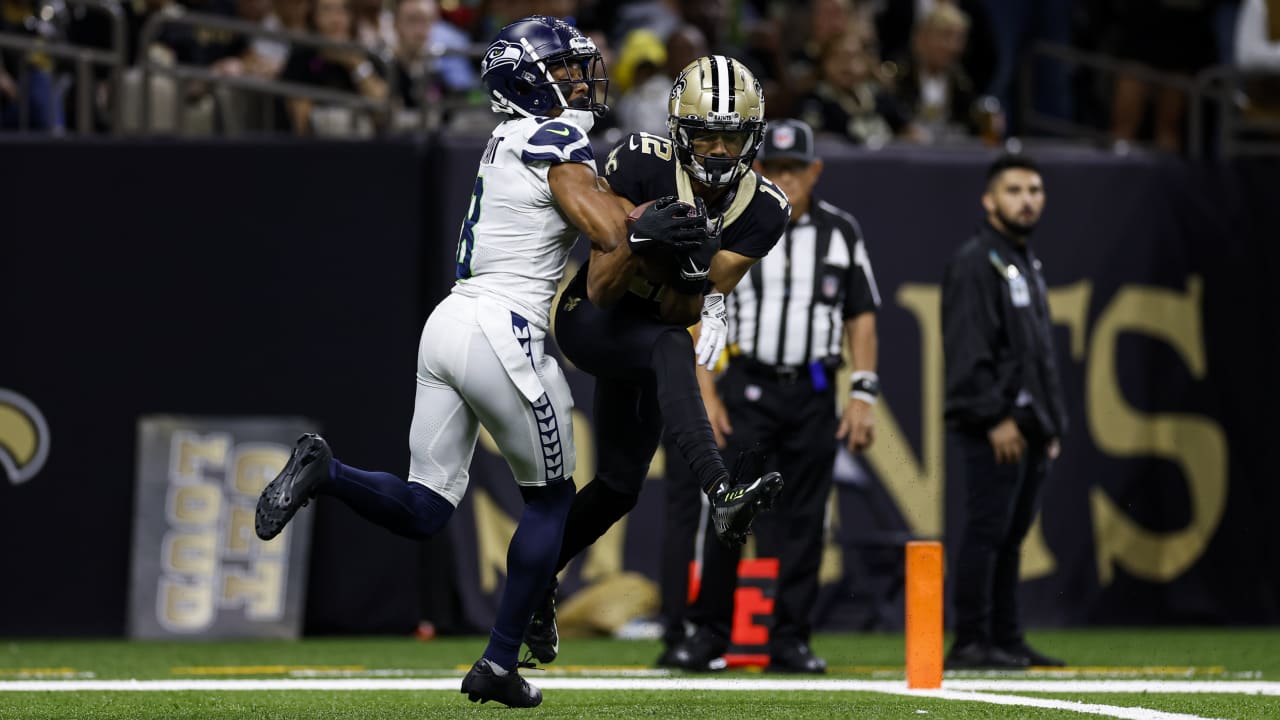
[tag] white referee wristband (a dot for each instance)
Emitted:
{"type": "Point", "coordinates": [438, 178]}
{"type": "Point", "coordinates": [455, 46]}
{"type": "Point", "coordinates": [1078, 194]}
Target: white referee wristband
{"type": "Point", "coordinates": [865, 386]}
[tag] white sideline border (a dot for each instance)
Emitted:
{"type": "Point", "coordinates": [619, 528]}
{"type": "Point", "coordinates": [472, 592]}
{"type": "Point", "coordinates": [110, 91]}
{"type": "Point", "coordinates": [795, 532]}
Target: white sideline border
{"type": "Point", "coordinates": [1227, 687]}
{"type": "Point", "coordinates": [965, 690]}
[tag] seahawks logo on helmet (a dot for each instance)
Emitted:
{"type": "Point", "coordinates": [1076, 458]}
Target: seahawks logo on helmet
{"type": "Point", "coordinates": [502, 53]}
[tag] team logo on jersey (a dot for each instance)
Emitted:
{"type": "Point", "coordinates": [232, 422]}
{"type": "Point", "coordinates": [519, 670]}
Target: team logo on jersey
{"type": "Point", "coordinates": [502, 53]}
{"type": "Point", "coordinates": [24, 437]}
{"type": "Point", "coordinates": [571, 303]}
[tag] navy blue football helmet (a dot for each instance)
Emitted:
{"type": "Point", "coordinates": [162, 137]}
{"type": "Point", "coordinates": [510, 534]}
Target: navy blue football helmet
{"type": "Point", "coordinates": [536, 62]}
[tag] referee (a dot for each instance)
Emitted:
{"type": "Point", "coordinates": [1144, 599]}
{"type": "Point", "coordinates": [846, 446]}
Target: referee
{"type": "Point", "coordinates": [787, 320]}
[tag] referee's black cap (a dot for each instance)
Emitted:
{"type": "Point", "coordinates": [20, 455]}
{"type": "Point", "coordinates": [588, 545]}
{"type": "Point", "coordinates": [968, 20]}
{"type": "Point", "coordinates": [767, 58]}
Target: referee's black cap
{"type": "Point", "coordinates": [787, 140]}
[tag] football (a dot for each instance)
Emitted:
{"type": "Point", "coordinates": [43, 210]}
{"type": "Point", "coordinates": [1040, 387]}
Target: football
{"type": "Point", "coordinates": [637, 211]}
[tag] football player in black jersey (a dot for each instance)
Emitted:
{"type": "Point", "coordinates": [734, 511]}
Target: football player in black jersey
{"type": "Point", "coordinates": [635, 342]}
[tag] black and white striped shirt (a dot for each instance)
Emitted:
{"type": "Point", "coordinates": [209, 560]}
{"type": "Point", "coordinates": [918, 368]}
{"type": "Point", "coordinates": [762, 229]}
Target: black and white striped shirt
{"type": "Point", "coordinates": [791, 307]}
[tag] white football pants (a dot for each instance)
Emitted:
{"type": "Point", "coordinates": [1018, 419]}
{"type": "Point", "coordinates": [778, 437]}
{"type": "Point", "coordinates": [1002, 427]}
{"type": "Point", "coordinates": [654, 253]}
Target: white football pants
{"type": "Point", "coordinates": [467, 377]}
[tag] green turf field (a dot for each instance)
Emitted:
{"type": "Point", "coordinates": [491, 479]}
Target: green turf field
{"type": "Point", "coordinates": [1144, 674]}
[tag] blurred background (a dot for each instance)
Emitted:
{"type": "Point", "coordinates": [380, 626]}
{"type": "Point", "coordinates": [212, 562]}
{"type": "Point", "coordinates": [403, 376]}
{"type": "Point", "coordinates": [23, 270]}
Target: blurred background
{"type": "Point", "coordinates": [224, 222]}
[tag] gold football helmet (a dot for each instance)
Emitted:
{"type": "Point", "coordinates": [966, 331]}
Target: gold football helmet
{"type": "Point", "coordinates": [716, 119]}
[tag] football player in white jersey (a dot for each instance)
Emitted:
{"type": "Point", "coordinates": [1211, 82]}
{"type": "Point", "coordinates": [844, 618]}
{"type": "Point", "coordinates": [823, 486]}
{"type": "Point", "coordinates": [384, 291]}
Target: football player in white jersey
{"type": "Point", "coordinates": [481, 358]}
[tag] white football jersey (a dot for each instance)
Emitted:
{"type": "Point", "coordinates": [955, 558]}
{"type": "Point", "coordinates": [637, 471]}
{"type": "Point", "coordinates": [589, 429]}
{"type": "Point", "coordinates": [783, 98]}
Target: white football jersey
{"type": "Point", "coordinates": [515, 241]}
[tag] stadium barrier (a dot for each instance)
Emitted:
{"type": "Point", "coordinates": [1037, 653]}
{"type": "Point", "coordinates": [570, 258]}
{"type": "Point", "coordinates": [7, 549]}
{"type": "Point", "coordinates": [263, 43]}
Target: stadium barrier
{"type": "Point", "coordinates": [268, 279]}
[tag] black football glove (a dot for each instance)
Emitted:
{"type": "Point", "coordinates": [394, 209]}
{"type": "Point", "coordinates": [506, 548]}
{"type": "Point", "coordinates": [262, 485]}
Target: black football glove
{"type": "Point", "coordinates": [668, 225]}
{"type": "Point", "coordinates": [695, 264]}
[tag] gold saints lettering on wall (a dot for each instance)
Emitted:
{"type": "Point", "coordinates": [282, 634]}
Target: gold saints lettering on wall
{"type": "Point", "coordinates": [1197, 444]}
{"type": "Point", "coordinates": [916, 480]}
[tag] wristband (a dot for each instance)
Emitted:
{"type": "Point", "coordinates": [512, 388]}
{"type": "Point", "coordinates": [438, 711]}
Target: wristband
{"type": "Point", "coordinates": [864, 386]}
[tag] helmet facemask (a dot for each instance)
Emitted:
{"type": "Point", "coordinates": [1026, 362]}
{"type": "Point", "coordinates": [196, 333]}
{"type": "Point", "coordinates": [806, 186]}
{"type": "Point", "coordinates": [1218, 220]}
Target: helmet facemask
{"type": "Point", "coordinates": [563, 74]}
{"type": "Point", "coordinates": [715, 157]}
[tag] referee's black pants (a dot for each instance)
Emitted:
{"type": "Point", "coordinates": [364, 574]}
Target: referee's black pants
{"type": "Point", "coordinates": [795, 425]}
{"type": "Point", "coordinates": [1001, 501]}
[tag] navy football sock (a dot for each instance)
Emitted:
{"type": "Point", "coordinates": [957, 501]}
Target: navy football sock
{"type": "Point", "coordinates": [531, 563]}
{"type": "Point", "coordinates": [410, 509]}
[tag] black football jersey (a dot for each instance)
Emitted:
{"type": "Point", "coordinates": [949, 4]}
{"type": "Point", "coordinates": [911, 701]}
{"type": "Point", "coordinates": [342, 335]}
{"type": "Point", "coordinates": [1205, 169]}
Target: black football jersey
{"type": "Point", "coordinates": [644, 167]}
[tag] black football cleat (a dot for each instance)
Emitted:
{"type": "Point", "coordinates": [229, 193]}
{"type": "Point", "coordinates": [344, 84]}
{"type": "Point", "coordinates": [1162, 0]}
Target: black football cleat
{"type": "Point", "coordinates": [1034, 657]}
{"type": "Point", "coordinates": [734, 508]}
{"type": "Point", "coordinates": [979, 656]}
{"type": "Point", "coordinates": [795, 657]}
{"type": "Point", "coordinates": [702, 651]}
{"type": "Point", "coordinates": [293, 488]}
{"type": "Point", "coordinates": [541, 634]}
{"type": "Point", "coordinates": [482, 684]}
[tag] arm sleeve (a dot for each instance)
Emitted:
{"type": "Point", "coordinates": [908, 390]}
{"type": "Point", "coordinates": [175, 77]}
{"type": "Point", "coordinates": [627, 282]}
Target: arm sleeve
{"type": "Point", "coordinates": [977, 383]}
{"type": "Point", "coordinates": [557, 142]}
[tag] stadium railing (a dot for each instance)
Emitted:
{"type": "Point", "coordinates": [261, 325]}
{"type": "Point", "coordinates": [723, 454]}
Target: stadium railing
{"type": "Point", "coordinates": [185, 74]}
{"type": "Point", "coordinates": [84, 58]}
{"type": "Point", "coordinates": [1218, 94]}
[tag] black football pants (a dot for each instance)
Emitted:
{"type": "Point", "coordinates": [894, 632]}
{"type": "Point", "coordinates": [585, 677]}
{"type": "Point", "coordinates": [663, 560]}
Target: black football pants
{"type": "Point", "coordinates": [1001, 501]}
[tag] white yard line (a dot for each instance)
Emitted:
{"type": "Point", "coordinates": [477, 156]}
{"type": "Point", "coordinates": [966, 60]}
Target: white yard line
{"type": "Point", "coordinates": [960, 689]}
{"type": "Point", "coordinates": [680, 683]}
{"type": "Point", "coordinates": [1114, 711]}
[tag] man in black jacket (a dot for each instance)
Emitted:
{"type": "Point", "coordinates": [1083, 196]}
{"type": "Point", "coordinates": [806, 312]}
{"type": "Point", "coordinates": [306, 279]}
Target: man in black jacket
{"type": "Point", "coordinates": [1004, 407]}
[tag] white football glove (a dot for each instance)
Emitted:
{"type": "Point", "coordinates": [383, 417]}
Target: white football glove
{"type": "Point", "coordinates": [715, 331]}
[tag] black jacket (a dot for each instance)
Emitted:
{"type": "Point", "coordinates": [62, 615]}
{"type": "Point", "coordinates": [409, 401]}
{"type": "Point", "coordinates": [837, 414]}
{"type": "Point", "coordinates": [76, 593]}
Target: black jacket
{"type": "Point", "coordinates": [997, 339]}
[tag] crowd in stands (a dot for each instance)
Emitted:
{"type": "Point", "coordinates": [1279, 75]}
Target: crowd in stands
{"type": "Point", "coordinates": [869, 71]}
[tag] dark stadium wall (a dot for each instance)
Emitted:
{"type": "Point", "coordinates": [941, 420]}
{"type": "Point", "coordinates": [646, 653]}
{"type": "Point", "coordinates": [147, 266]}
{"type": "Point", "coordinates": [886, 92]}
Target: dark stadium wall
{"type": "Point", "coordinates": [292, 279]}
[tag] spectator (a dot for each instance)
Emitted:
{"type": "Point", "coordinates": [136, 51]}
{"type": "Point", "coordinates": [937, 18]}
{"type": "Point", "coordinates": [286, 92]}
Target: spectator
{"type": "Point", "coordinates": [849, 100]}
{"type": "Point", "coordinates": [374, 25]}
{"type": "Point", "coordinates": [43, 105]}
{"type": "Point", "coordinates": [1182, 45]}
{"type": "Point", "coordinates": [1257, 50]}
{"type": "Point", "coordinates": [932, 86]}
{"type": "Point", "coordinates": [1258, 36]}
{"type": "Point", "coordinates": [825, 21]}
{"type": "Point", "coordinates": [414, 82]}
{"type": "Point", "coordinates": [896, 23]}
{"type": "Point", "coordinates": [292, 15]}
{"type": "Point", "coordinates": [644, 107]}
{"type": "Point", "coordinates": [1016, 25]}
{"type": "Point", "coordinates": [337, 69]}
{"type": "Point", "coordinates": [429, 58]}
